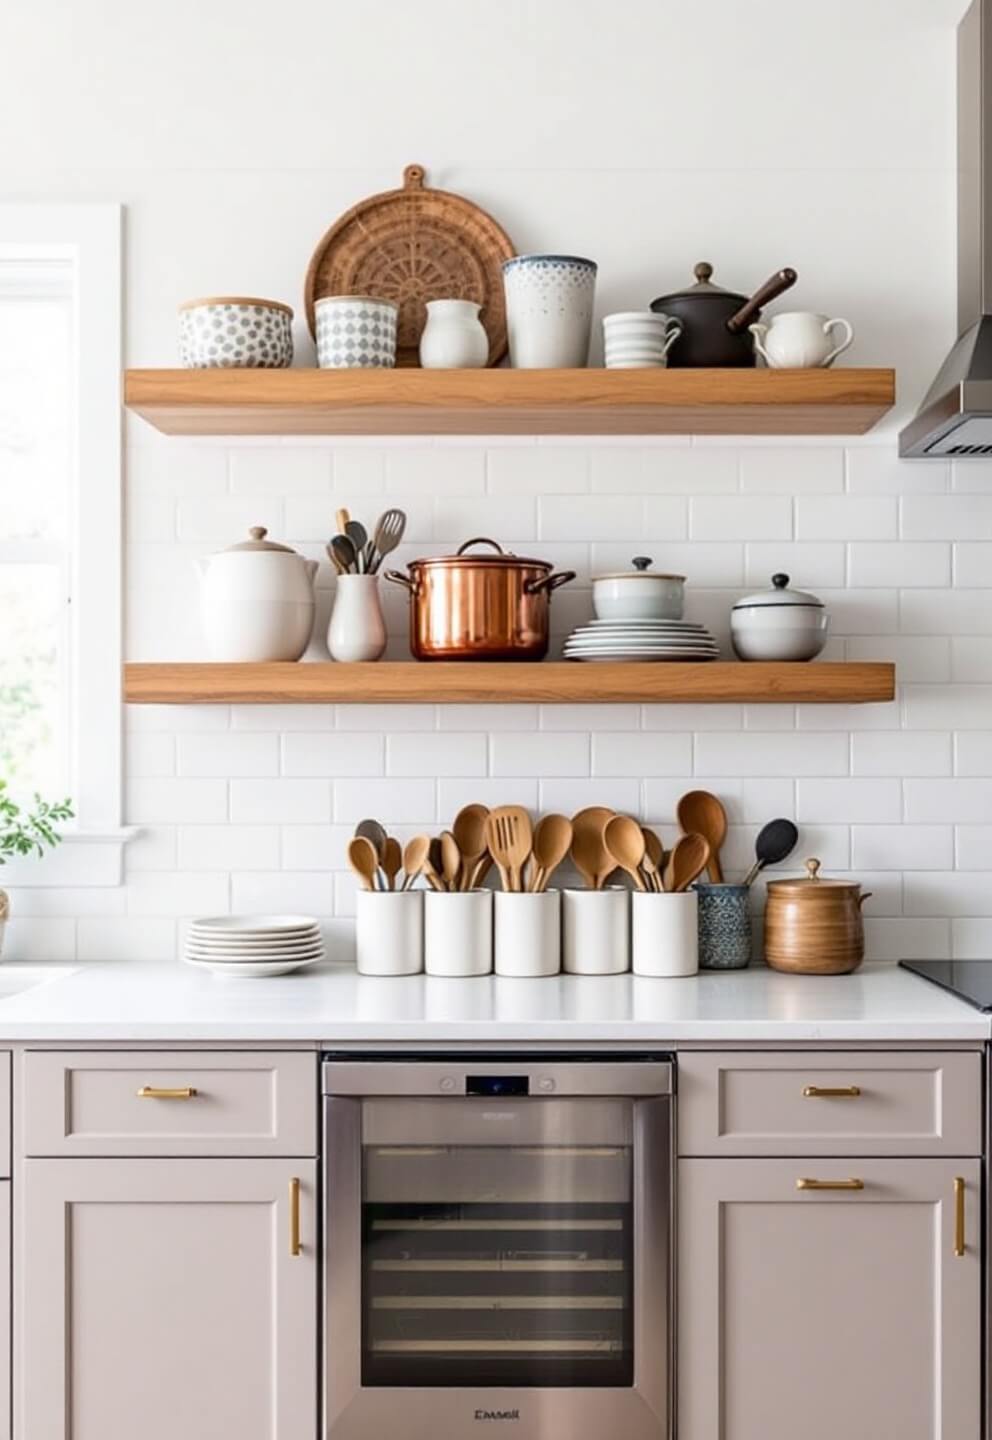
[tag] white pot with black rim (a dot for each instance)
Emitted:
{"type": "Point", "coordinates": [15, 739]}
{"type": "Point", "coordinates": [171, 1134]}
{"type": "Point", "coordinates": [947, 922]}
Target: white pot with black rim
{"type": "Point", "coordinates": [779, 624]}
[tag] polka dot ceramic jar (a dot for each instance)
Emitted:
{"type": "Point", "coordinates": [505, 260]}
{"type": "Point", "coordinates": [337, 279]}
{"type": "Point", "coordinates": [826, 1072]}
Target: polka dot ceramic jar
{"type": "Point", "coordinates": [549, 300]}
{"type": "Point", "coordinates": [235, 331]}
{"type": "Point", "coordinates": [356, 332]}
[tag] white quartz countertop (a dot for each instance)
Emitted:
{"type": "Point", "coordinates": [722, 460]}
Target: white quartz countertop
{"type": "Point", "coordinates": [329, 1005]}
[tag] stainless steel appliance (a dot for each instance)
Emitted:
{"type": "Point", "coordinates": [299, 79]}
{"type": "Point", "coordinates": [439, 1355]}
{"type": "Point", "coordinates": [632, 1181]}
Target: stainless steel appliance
{"type": "Point", "coordinates": [498, 1246]}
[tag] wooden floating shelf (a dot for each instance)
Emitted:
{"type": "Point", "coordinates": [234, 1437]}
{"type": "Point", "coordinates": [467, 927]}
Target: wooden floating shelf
{"type": "Point", "coordinates": [480, 683]}
{"type": "Point", "coordinates": [510, 402]}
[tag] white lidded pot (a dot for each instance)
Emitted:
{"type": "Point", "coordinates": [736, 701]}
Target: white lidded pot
{"type": "Point", "coordinates": [638, 594]}
{"type": "Point", "coordinates": [779, 624]}
{"type": "Point", "coordinates": [257, 601]}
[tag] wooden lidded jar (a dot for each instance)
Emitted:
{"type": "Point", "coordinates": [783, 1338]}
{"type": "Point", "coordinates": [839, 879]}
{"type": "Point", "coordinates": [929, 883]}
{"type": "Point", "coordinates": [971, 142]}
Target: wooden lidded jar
{"type": "Point", "coordinates": [814, 926]}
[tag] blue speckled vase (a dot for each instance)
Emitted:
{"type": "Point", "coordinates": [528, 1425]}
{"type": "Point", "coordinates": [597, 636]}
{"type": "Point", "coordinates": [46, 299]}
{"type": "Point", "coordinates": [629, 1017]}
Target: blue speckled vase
{"type": "Point", "coordinates": [549, 300]}
{"type": "Point", "coordinates": [724, 927]}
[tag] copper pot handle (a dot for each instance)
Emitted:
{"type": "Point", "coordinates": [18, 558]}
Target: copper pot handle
{"type": "Point", "coordinates": [862, 898]}
{"type": "Point", "coordinates": [398, 578]}
{"type": "Point", "coordinates": [481, 540]}
{"type": "Point", "coordinates": [548, 582]}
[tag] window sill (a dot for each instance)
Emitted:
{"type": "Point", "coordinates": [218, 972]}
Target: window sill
{"type": "Point", "coordinates": [85, 857]}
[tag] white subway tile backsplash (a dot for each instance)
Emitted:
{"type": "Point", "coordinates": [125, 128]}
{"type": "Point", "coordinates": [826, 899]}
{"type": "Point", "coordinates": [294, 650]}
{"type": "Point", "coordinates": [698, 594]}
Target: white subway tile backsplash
{"type": "Point", "coordinates": [911, 563]}
{"type": "Point", "coordinates": [507, 519]}
{"type": "Point", "coordinates": [567, 796]}
{"type": "Point", "coordinates": [973, 846]}
{"type": "Point", "coordinates": [595, 517]}
{"type": "Point", "coordinates": [43, 940]}
{"type": "Point", "coordinates": [846, 517]}
{"type": "Point", "coordinates": [887, 752]}
{"type": "Point", "coordinates": [946, 612]}
{"type": "Point", "coordinates": [226, 520]}
{"type": "Point", "coordinates": [971, 939]}
{"type": "Point", "coordinates": [664, 519]}
{"type": "Point", "coordinates": [150, 754]}
{"type": "Point", "coordinates": [281, 470]}
{"type": "Point", "coordinates": [949, 707]}
{"type": "Point", "coordinates": [973, 753]}
{"type": "Point", "coordinates": [738, 517]}
{"type": "Point", "coordinates": [807, 564]}
{"type": "Point", "coordinates": [747, 802]}
{"type": "Point", "coordinates": [590, 717]}
{"type": "Point", "coordinates": [902, 847]}
{"type": "Point", "coordinates": [487, 718]}
{"type": "Point", "coordinates": [851, 802]}
{"type": "Point", "coordinates": [317, 847]}
{"type": "Point", "coordinates": [896, 939]}
{"type": "Point", "coordinates": [399, 801]}
{"type": "Point", "coordinates": [358, 470]}
{"type": "Point", "coordinates": [283, 801]}
{"type": "Point", "coordinates": [228, 754]}
{"type": "Point", "coordinates": [669, 470]}
{"type": "Point", "coordinates": [877, 470]}
{"type": "Point", "coordinates": [526, 470]}
{"type": "Point", "coordinates": [181, 892]}
{"type": "Point", "coordinates": [946, 517]}
{"type": "Point", "coordinates": [228, 847]}
{"type": "Point", "coordinates": [283, 892]}
{"type": "Point", "coordinates": [973, 564]}
{"type": "Point", "coordinates": [171, 801]}
{"type": "Point", "coordinates": [447, 754]}
{"type": "Point", "coordinates": [947, 802]}
{"type": "Point", "coordinates": [538, 755]}
{"type": "Point", "coordinates": [648, 753]}
{"type": "Point", "coordinates": [916, 658]}
{"type": "Point", "coordinates": [971, 659]}
{"type": "Point", "coordinates": [754, 754]}
{"type": "Point", "coordinates": [932, 892]}
{"type": "Point", "coordinates": [452, 794]}
{"type": "Point", "coordinates": [130, 938]}
{"type": "Point", "coordinates": [333, 754]}
{"type": "Point", "coordinates": [435, 470]}
{"type": "Point", "coordinates": [792, 472]}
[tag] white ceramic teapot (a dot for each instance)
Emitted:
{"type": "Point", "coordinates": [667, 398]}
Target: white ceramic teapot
{"type": "Point", "coordinates": [257, 601]}
{"type": "Point", "coordinates": [800, 340]}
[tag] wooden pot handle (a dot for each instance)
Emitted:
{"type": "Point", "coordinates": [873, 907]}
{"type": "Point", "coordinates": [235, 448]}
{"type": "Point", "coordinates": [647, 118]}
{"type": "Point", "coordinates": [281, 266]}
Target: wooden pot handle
{"type": "Point", "coordinates": [774, 286]}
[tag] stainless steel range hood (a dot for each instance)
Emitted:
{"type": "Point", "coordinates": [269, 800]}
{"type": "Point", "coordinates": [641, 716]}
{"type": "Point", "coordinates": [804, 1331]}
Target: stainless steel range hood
{"type": "Point", "coordinates": [955, 418]}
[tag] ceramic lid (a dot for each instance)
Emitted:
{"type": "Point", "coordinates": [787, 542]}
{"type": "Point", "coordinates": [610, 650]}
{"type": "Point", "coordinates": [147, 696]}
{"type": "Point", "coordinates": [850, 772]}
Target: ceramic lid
{"type": "Point", "coordinates": [641, 564]}
{"type": "Point", "coordinates": [779, 594]}
{"type": "Point", "coordinates": [703, 287]}
{"type": "Point", "coordinates": [812, 883]}
{"type": "Point", "coordinates": [259, 544]}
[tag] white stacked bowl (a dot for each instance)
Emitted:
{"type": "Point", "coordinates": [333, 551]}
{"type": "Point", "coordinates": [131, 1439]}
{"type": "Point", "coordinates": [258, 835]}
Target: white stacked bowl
{"type": "Point", "coordinates": [639, 339]}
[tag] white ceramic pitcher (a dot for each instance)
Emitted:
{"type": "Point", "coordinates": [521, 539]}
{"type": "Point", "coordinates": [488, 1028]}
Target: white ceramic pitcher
{"type": "Point", "coordinates": [257, 601]}
{"type": "Point", "coordinates": [800, 340]}
{"type": "Point", "coordinates": [357, 630]}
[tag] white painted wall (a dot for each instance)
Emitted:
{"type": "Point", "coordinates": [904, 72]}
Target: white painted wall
{"type": "Point", "coordinates": [645, 134]}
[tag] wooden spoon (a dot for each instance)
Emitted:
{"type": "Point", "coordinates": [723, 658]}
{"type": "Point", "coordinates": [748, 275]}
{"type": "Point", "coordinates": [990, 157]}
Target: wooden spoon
{"type": "Point", "coordinates": [624, 840]}
{"type": "Point", "coordinates": [700, 813]}
{"type": "Point", "coordinates": [589, 853]}
{"type": "Point", "coordinates": [391, 861]}
{"type": "Point", "coordinates": [343, 554]}
{"type": "Point", "coordinates": [363, 860]}
{"type": "Point", "coordinates": [451, 860]}
{"type": "Point", "coordinates": [415, 855]}
{"type": "Point", "coordinates": [434, 865]}
{"type": "Point", "coordinates": [552, 841]}
{"type": "Point", "coordinates": [654, 858]}
{"type": "Point", "coordinates": [469, 830]}
{"type": "Point", "coordinates": [689, 858]}
{"type": "Point", "coordinates": [510, 838]}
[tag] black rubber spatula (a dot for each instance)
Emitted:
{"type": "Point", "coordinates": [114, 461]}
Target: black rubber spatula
{"type": "Point", "coordinates": [775, 842]}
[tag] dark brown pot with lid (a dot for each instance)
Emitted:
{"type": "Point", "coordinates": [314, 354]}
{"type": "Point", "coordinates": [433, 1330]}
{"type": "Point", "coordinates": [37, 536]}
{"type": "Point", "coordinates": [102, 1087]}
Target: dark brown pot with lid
{"type": "Point", "coordinates": [480, 607]}
{"type": "Point", "coordinates": [715, 321]}
{"type": "Point", "coordinates": [814, 926]}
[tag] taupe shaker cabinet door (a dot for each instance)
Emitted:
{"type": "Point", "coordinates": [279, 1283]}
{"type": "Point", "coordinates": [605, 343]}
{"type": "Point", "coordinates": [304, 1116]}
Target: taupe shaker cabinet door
{"type": "Point", "coordinates": [830, 1103]}
{"type": "Point", "coordinates": [826, 1313]}
{"type": "Point", "coordinates": [162, 1300]}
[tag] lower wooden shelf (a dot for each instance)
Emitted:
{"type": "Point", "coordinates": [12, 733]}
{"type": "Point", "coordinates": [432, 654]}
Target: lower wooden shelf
{"type": "Point", "coordinates": [479, 683]}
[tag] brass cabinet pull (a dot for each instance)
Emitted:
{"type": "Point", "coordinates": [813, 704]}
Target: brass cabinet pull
{"type": "Point", "coordinates": [831, 1092]}
{"type": "Point", "coordinates": [167, 1092]}
{"type": "Point", "coordinates": [804, 1183]}
{"type": "Point", "coordinates": [959, 1245]}
{"type": "Point", "coordinates": [295, 1247]}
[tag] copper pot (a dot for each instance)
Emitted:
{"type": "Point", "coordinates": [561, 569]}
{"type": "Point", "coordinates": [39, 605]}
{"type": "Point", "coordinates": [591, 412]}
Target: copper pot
{"type": "Point", "coordinates": [814, 926]}
{"type": "Point", "coordinates": [479, 607]}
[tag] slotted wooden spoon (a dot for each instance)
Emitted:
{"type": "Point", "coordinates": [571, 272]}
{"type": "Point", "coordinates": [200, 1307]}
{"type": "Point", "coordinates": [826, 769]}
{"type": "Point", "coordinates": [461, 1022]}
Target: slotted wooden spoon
{"type": "Point", "coordinates": [589, 853]}
{"type": "Point", "coordinates": [624, 840]}
{"type": "Point", "coordinates": [552, 842]}
{"type": "Point", "coordinates": [510, 838]}
{"type": "Point", "coordinates": [700, 813]}
{"type": "Point", "coordinates": [687, 861]}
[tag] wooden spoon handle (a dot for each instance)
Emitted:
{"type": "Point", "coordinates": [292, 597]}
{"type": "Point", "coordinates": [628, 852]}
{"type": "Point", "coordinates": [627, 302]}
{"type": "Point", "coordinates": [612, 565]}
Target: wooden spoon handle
{"type": "Point", "coordinates": [714, 868]}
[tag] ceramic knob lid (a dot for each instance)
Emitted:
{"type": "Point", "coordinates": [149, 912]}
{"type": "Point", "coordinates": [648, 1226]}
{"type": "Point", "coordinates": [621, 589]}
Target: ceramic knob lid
{"type": "Point", "coordinates": [258, 543]}
{"type": "Point", "coordinates": [779, 594]}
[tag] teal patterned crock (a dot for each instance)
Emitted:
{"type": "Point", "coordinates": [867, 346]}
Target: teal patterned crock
{"type": "Point", "coordinates": [724, 927]}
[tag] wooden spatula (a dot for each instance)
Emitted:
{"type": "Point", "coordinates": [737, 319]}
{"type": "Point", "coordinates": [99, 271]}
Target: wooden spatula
{"type": "Point", "coordinates": [510, 839]}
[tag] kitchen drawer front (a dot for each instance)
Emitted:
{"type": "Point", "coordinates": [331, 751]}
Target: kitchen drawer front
{"type": "Point", "coordinates": [91, 1103]}
{"type": "Point", "coordinates": [4, 1114]}
{"type": "Point", "coordinates": [774, 1104]}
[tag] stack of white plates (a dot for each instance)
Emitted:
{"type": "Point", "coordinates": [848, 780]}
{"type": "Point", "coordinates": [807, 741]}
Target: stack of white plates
{"type": "Point", "coordinates": [239, 946]}
{"type": "Point", "coordinates": [641, 640]}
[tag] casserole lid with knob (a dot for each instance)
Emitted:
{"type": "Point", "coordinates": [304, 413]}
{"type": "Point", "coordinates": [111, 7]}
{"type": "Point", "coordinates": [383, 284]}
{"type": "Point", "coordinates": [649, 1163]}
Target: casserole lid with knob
{"type": "Point", "coordinates": [779, 595]}
{"type": "Point", "coordinates": [641, 571]}
{"type": "Point", "coordinates": [814, 888]}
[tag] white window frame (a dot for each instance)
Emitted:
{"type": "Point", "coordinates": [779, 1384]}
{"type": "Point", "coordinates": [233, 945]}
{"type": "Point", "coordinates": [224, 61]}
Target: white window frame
{"type": "Point", "coordinates": [89, 237]}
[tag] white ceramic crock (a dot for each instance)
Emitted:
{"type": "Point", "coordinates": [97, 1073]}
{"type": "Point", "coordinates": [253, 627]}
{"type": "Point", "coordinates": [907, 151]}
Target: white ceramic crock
{"type": "Point", "coordinates": [527, 933]}
{"type": "Point", "coordinates": [357, 630]}
{"type": "Point", "coordinates": [800, 340]}
{"type": "Point", "coordinates": [257, 601]}
{"type": "Point", "coordinates": [596, 931]}
{"type": "Point", "coordinates": [389, 932]}
{"type": "Point", "coordinates": [235, 332]}
{"type": "Point", "coordinates": [664, 934]}
{"type": "Point", "coordinates": [454, 337]}
{"type": "Point", "coordinates": [355, 332]}
{"type": "Point", "coordinates": [779, 624]}
{"type": "Point", "coordinates": [549, 301]}
{"type": "Point", "coordinates": [638, 594]}
{"type": "Point", "coordinates": [458, 933]}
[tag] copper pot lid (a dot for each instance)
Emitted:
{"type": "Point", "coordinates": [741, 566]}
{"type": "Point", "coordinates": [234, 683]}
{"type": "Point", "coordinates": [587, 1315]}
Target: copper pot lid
{"type": "Point", "coordinates": [703, 288]}
{"type": "Point", "coordinates": [502, 560]}
{"type": "Point", "coordinates": [812, 883]}
{"type": "Point", "coordinates": [779, 594]}
{"type": "Point", "coordinates": [641, 571]}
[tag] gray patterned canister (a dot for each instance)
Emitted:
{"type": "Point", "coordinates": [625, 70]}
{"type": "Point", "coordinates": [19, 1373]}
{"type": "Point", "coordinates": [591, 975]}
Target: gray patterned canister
{"type": "Point", "coordinates": [549, 300]}
{"type": "Point", "coordinates": [356, 332]}
{"type": "Point", "coordinates": [724, 926]}
{"type": "Point", "coordinates": [235, 332]}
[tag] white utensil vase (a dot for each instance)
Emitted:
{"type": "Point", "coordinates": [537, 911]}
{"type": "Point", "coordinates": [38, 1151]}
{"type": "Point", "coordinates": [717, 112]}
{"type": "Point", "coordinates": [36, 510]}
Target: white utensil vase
{"type": "Point", "coordinates": [527, 933]}
{"type": "Point", "coordinates": [665, 934]}
{"type": "Point", "coordinates": [389, 932]}
{"type": "Point", "coordinates": [595, 931]}
{"type": "Point", "coordinates": [357, 630]}
{"type": "Point", "coordinates": [458, 933]}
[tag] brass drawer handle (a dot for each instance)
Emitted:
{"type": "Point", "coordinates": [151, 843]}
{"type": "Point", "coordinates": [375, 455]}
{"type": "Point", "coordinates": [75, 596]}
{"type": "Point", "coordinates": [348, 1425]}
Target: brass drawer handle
{"type": "Point", "coordinates": [804, 1183]}
{"type": "Point", "coordinates": [295, 1246]}
{"type": "Point", "coordinates": [831, 1092]}
{"type": "Point", "coordinates": [167, 1092]}
{"type": "Point", "coordinates": [959, 1245]}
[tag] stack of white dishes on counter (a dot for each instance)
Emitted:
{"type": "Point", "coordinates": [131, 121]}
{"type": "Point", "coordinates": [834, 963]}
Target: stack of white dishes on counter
{"type": "Point", "coordinates": [253, 946]}
{"type": "Point", "coordinates": [641, 640]}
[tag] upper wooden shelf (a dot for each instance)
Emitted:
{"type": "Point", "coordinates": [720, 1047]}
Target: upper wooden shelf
{"type": "Point", "coordinates": [510, 402]}
{"type": "Point", "coordinates": [547, 683]}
